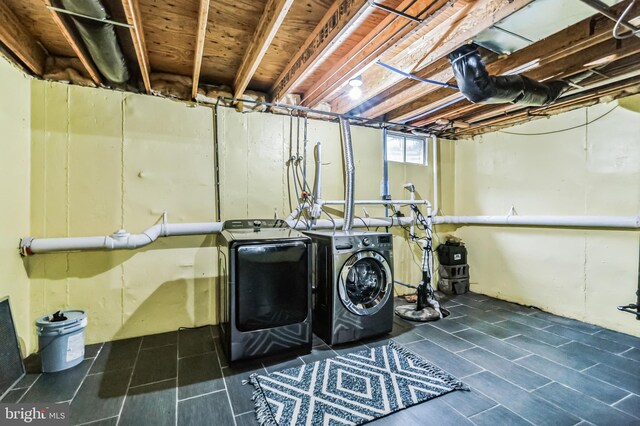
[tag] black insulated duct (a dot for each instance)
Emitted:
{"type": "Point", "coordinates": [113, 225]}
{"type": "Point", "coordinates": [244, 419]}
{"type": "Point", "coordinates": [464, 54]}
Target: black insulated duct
{"type": "Point", "coordinates": [478, 86]}
{"type": "Point", "coordinates": [99, 38]}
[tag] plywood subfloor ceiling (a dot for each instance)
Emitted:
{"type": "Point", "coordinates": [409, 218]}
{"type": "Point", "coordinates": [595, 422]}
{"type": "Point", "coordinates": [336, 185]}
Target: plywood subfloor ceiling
{"type": "Point", "coordinates": [312, 48]}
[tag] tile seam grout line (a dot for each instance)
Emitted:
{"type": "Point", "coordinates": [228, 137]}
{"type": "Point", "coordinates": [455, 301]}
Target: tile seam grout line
{"type": "Point", "coordinates": [224, 382]}
{"type": "Point", "coordinates": [133, 371]}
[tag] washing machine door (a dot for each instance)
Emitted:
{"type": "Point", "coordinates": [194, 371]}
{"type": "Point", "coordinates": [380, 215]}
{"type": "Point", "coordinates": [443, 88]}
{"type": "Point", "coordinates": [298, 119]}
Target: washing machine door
{"type": "Point", "coordinates": [365, 282]}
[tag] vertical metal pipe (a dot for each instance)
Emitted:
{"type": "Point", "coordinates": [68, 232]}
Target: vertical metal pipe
{"type": "Point", "coordinates": [436, 183]}
{"type": "Point", "coordinates": [385, 171]}
{"type": "Point", "coordinates": [350, 171]}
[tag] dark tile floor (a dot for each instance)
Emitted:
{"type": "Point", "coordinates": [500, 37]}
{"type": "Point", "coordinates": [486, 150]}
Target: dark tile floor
{"type": "Point", "coordinates": [523, 366]}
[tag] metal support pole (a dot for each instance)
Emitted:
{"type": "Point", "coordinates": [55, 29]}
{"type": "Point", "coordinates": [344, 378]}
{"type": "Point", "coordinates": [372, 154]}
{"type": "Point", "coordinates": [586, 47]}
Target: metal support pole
{"type": "Point", "coordinates": [415, 77]}
{"type": "Point", "coordinates": [80, 15]}
{"type": "Point", "coordinates": [334, 115]}
{"type": "Point", "coordinates": [396, 12]}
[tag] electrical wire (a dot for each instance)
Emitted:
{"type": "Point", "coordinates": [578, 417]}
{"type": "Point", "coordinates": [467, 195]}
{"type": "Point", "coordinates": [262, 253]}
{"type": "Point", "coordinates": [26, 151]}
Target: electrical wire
{"type": "Point", "coordinates": [363, 222]}
{"type": "Point", "coordinates": [615, 32]}
{"type": "Point", "coordinates": [330, 217]}
{"type": "Point", "coordinates": [562, 130]}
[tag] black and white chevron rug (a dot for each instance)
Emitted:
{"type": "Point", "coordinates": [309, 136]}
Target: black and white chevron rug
{"type": "Point", "coordinates": [350, 389]}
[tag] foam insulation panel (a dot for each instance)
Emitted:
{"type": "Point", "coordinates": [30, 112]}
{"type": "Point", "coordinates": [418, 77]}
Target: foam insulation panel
{"type": "Point", "coordinates": [594, 170]}
{"type": "Point", "coordinates": [15, 123]}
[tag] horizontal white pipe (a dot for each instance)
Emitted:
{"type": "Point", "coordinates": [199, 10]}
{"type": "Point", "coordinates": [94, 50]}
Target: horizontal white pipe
{"type": "Point", "coordinates": [123, 240]}
{"type": "Point", "coordinates": [357, 223]}
{"type": "Point", "coordinates": [560, 221]}
{"type": "Point", "coordinates": [378, 202]}
{"type": "Point", "coordinates": [119, 240]}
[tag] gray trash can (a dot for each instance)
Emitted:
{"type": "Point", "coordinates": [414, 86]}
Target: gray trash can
{"type": "Point", "coordinates": [61, 341]}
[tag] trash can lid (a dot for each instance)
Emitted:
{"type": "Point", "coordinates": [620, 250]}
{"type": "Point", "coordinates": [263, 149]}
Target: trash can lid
{"type": "Point", "coordinates": [73, 316]}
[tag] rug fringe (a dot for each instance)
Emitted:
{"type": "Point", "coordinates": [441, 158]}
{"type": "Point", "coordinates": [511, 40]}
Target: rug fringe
{"type": "Point", "coordinates": [263, 412]}
{"type": "Point", "coordinates": [423, 363]}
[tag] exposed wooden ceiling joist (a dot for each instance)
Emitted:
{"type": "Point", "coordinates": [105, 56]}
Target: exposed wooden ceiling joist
{"type": "Point", "coordinates": [417, 98]}
{"type": "Point", "coordinates": [77, 48]}
{"type": "Point", "coordinates": [203, 16]}
{"type": "Point", "coordinates": [272, 17]}
{"type": "Point", "coordinates": [609, 91]}
{"type": "Point", "coordinates": [482, 15]}
{"type": "Point", "coordinates": [337, 19]}
{"type": "Point", "coordinates": [577, 49]}
{"type": "Point", "coordinates": [479, 113]}
{"type": "Point", "coordinates": [389, 32]}
{"type": "Point", "coordinates": [20, 42]}
{"type": "Point", "coordinates": [132, 11]}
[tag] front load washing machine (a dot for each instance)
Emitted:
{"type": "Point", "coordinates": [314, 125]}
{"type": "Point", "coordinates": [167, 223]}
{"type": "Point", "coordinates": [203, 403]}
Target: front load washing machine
{"type": "Point", "coordinates": [353, 282]}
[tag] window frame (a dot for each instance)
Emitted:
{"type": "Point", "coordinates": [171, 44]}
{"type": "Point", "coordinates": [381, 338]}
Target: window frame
{"type": "Point", "coordinates": [404, 137]}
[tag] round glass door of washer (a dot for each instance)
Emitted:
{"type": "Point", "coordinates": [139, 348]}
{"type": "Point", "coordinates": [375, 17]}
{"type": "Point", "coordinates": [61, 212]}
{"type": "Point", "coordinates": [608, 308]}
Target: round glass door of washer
{"type": "Point", "coordinates": [365, 283]}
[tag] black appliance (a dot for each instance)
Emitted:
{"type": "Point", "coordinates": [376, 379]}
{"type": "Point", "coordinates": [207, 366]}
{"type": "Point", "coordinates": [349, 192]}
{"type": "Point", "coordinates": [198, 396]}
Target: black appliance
{"type": "Point", "coordinates": [265, 288]}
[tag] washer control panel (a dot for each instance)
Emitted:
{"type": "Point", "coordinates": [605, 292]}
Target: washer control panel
{"type": "Point", "coordinates": [354, 243]}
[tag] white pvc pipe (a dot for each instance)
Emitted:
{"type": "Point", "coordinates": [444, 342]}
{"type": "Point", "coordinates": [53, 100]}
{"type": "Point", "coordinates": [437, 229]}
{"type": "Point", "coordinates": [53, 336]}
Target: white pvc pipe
{"type": "Point", "coordinates": [358, 223]}
{"type": "Point", "coordinates": [294, 214]}
{"type": "Point", "coordinates": [118, 240]}
{"type": "Point", "coordinates": [557, 221]}
{"type": "Point", "coordinates": [376, 202]}
{"type": "Point", "coordinates": [123, 240]}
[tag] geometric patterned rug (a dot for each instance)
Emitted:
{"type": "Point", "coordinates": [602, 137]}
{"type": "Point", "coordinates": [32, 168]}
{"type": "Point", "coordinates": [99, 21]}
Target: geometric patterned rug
{"type": "Point", "coordinates": [349, 389]}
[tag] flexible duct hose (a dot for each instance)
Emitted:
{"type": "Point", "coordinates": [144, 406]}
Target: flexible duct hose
{"type": "Point", "coordinates": [350, 171]}
{"type": "Point", "coordinates": [478, 86]}
{"type": "Point", "coordinates": [99, 38]}
{"type": "Point", "coordinates": [317, 184]}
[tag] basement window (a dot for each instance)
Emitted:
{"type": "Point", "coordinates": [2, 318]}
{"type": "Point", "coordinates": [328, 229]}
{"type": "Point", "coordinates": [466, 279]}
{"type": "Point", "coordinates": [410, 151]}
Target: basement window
{"type": "Point", "coordinates": [402, 148]}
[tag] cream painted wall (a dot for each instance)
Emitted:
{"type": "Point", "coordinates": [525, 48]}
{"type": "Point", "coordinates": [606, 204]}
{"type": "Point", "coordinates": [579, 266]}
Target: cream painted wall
{"type": "Point", "coordinates": [593, 170]}
{"type": "Point", "coordinates": [14, 195]}
{"type": "Point", "coordinates": [104, 160]}
{"type": "Point", "coordinates": [257, 180]}
{"type": "Point", "coordinates": [407, 255]}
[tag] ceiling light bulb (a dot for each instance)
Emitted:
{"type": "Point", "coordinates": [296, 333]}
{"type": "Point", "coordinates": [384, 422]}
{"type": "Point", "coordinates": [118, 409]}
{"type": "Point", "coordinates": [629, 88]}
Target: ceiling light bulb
{"type": "Point", "coordinates": [355, 82]}
{"type": "Point", "coordinates": [355, 92]}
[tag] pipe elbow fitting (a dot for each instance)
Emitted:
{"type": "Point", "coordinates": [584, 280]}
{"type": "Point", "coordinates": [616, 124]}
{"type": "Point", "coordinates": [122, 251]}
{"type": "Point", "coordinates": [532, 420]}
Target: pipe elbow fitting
{"type": "Point", "coordinates": [25, 246]}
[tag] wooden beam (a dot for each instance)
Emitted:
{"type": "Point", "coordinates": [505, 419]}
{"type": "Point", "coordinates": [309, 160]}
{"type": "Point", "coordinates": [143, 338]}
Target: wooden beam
{"type": "Point", "coordinates": [613, 90]}
{"type": "Point", "coordinates": [389, 32]}
{"type": "Point", "coordinates": [578, 57]}
{"type": "Point", "coordinates": [132, 11]}
{"type": "Point", "coordinates": [77, 48]}
{"type": "Point", "coordinates": [483, 14]}
{"type": "Point", "coordinates": [20, 42]}
{"type": "Point", "coordinates": [340, 15]}
{"type": "Point", "coordinates": [629, 48]}
{"type": "Point", "coordinates": [272, 17]}
{"type": "Point", "coordinates": [203, 18]}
